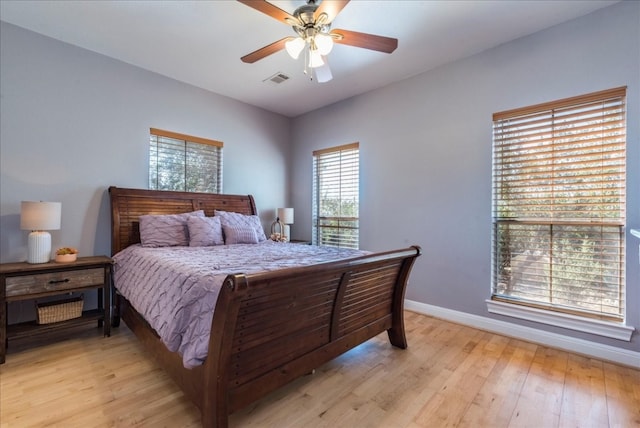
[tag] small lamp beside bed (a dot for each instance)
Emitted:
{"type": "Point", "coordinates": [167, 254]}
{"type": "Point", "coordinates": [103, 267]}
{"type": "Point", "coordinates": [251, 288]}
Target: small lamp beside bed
{"type": "Point", "coordinates": [285, 215]}
{"type": "Point", "coordinates": [38, 217]}
{"type": "Point", "coordinates": [280, 228]}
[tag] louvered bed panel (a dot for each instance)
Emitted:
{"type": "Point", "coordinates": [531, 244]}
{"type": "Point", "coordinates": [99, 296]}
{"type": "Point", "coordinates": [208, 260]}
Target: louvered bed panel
{"type": "Point", "coordinates": [369, 296]}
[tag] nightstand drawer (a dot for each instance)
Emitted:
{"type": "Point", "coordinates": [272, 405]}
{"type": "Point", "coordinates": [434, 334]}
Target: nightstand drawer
{"type": "Point", "coordinates": [47, 282]}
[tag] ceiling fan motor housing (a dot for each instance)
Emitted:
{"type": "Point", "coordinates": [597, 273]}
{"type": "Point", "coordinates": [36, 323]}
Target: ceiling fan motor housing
{"type": "Point", "coordinates": [305, 25]}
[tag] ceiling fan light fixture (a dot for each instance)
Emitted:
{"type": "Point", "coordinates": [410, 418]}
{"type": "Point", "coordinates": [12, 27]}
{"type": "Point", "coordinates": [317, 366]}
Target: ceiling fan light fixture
{"type": "Point", "coordinates": [315, 58]}
{"type": "Point", "coordinates": [312, 24]}
{"type": "Point", "coordinates": [324, 43]}
{"type": "Point", "coordinates": [294, 47]}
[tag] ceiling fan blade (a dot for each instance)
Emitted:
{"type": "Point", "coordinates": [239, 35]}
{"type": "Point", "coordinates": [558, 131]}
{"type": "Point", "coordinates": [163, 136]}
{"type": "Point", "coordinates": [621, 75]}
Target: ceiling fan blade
{"type": "Point", "coordinates": [269, 9]}
{"type": "Point", "coordinates": [331, 7]}
{"type": "Point", "coordinates": [265, 51]}
{"type": "Point", "coordinates": [323, 73]}
{"type": "Point", "coordinates": [366, 41]}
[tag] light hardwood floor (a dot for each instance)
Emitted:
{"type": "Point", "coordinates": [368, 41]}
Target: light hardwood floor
{"type": "Point", "coordinates": [451, 375]}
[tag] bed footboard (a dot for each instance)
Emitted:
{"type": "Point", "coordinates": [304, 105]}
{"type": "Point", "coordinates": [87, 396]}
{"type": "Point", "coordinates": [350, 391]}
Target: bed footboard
{"type": "Point", "coordinates": [271, 328]}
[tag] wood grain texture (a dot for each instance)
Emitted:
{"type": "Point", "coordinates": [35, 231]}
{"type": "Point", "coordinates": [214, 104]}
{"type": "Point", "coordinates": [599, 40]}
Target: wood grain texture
{"type": "Point", "coordinates": [450, 375]}
{"type": "Point", "coordinates": [23, 287]}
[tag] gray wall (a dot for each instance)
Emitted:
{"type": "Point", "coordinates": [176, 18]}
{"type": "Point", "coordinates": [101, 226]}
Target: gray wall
{"type": "Point", "coordinates": [425, 152]}
{"type": "Point", "coordinates": [75, 122]}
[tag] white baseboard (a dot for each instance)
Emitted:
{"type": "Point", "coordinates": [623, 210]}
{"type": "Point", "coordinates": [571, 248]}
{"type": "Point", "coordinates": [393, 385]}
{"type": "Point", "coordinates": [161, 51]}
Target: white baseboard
{"type": "Point", "coordinates": [567, 343]}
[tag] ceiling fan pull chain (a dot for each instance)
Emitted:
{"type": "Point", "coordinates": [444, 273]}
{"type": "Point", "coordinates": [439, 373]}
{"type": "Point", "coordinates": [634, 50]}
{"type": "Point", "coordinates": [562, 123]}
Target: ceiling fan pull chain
{"type": "Point", "coordinates": [307, 70]}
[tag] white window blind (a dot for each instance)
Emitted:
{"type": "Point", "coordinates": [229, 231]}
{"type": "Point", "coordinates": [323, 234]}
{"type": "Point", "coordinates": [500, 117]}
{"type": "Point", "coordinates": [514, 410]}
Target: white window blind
{"type": "Point", "coordinates": [184, 163]}
{"type": "Point", "coordinates": [336, 190]}
{"type": "Point", "coordinates": [559, 205]}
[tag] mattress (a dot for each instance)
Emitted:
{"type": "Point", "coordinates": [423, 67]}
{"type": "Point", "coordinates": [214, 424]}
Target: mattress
{"type": "Point", "coordinates": [175, 288]}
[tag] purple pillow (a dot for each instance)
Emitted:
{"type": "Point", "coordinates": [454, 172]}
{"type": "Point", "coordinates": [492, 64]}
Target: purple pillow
{"type": "Point", "coordinates": [239, 235]}
{"type": "Point", "coordinates": [204, 231]}
{"type": "Point", "coordinates": [167, 230]}
{"type": "Point", "coordinates": [229, 218]}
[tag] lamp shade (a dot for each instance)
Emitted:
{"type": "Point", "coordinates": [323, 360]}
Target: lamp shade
{"type": "Point", "coordinates": [285, 215]}
{"type": "Point", "coordinates": [324, 43]}
{"type": "Point", "coordinates": [294, 47]}
{"type": "Point", "coordinates": [40, 215]}
{"type": "Point", "coordinates": [315, 59]}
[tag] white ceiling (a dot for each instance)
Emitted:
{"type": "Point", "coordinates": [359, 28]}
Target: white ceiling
{"type": "Point", "coordinates": [201, 42]}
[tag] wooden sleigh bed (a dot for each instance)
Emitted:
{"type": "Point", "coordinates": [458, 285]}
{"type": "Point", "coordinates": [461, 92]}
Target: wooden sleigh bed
{"type": "Point", "coordinates": [273, 327]}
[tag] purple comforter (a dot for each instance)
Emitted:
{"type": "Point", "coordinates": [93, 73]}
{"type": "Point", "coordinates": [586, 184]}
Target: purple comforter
{"type": "Point", "coordinates": [175, 288]}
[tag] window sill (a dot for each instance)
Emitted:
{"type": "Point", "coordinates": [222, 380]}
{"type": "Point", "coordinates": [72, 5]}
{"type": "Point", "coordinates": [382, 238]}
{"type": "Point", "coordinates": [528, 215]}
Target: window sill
{"type": "Point", "coordinates": [602, 328]}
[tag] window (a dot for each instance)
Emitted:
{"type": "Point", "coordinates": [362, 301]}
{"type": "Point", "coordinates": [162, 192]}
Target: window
{"type": "Point", "coordinates": [336, 196]}
{"type": "Point", "coordinates": [559, 205]}
{"type": "Point", "coordinates": [184, 163]}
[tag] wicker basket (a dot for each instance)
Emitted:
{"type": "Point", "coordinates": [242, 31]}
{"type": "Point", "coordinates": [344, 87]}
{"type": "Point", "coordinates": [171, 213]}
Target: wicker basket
{"type": "Point", "coordinates": [61, 310]}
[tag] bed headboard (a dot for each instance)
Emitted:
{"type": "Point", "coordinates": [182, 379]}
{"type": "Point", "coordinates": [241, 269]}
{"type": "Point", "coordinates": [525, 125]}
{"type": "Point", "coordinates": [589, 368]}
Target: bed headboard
{"type": "Point", "coordinates": [127, 205]}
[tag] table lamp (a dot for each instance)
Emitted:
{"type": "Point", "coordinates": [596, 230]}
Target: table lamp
{"type": "Point", "coordinates": [38, 217]}
{"type": "Point", "coordinates": [285, 216]}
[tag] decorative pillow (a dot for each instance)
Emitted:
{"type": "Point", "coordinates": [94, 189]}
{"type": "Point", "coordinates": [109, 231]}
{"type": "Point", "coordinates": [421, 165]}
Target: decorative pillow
{"type": "Point", "coordinates": [204, 231]}
{"type": "Point", "coordinates": [229, 218]}
{"type": "Point", "coordinates": [168, 230]}
{"type": "Point", "coordinates": [240, 235]}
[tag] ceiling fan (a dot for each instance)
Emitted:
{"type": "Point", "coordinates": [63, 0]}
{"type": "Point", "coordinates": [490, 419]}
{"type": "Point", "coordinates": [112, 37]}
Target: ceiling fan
{"type": "Point", "coordinates": [312, 24]}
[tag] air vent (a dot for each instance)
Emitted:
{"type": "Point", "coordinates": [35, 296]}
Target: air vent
{"type": "Point", "coordinates": [277, 78]}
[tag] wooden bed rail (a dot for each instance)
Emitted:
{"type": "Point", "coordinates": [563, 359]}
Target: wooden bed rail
{"type": "Point", "coordinates": [270, 328]}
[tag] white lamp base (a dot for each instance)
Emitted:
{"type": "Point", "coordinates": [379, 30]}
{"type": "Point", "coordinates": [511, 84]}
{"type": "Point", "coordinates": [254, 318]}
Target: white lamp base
{"type": "Point", "coordinates": [39, 247]}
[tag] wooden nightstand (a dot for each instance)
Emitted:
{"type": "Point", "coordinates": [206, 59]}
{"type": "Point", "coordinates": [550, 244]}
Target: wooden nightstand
{"type": "Point", "coordinates": [24, 281]}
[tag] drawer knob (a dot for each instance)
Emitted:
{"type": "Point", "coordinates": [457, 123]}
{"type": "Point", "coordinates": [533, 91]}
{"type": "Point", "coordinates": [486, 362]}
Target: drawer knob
{"type": "Point", "coordinates": [58, 281]}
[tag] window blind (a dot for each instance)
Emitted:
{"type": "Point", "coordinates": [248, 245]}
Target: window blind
{"type": "Point", "coordinates": [336, 187]}
{"type": "Point", "coordinates": [184, 163]}
{"type": "Point", "coordinates": [559, 205]}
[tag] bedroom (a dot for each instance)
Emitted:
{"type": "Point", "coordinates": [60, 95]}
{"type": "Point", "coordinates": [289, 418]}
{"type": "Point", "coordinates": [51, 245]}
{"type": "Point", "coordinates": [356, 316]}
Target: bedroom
{"type": "Point", "coordinates": [57, 98]}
